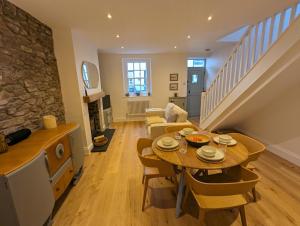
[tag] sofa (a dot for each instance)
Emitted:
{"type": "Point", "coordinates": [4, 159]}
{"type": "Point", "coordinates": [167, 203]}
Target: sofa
{"type": "Point", "coordinates": [157, 119]}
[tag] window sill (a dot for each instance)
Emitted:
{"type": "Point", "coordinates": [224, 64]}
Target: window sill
{"type": "Point", "coordinates": [134, 96]}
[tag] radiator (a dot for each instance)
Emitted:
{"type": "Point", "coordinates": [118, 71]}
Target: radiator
{"type": "Point", "coordinates": [137, 107]}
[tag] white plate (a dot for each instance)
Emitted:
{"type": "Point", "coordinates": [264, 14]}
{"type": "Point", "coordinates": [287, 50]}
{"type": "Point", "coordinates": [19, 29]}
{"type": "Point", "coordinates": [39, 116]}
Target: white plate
{"type": "Point", "coordinates": [172, 146]}
{"type": "Point", "coordinates": [232, 142]}
{"type": "Point", "coordinates": [218, 156]}
{"type": "Point", "coordinates": [183, 134]}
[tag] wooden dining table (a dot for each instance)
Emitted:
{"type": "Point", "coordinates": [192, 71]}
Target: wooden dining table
{"type": "Point", "coordinates": [185, 156]}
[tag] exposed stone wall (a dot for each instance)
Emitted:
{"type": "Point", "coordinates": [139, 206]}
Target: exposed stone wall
{"type": "Point", "coordinates": [29, 81]}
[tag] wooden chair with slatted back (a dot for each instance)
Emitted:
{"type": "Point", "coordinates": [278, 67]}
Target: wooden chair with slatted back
{"type": "Point", "coordinates": [170, 129]}
{"type": "Point", "coordinates": [222, 191]}
{"type": "Point", "coordinates": [255, 149]}
{"type": "Point", "coordinates": [153, 167]}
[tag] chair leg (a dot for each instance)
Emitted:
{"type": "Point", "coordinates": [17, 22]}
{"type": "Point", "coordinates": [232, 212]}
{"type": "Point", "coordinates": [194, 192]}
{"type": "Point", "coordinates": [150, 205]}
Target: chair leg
{"type": "Point", "coordinates": [243, 216]}
{"type": "Point", "coordinates": [254, 194]}
{"type": "Point", "coordinates": [202, 216]}
{"type": "Point", "coordinates": [143, 179]}
{"type": "Point", "coordinates": [145, 192]}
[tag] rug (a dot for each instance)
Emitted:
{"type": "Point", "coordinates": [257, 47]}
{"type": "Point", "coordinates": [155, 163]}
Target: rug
{"type": "Point", "coordinates": [109, 134]}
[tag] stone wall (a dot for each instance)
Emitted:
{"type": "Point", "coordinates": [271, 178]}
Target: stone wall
{"type": "Point", "coordinates": [29, 81]}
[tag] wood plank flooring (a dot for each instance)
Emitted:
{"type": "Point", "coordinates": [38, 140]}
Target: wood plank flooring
{"type": "Point", "coordinates": [110, 192]}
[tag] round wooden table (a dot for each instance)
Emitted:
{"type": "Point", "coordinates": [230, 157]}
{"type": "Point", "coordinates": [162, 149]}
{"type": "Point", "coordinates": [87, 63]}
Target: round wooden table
{"type": "Point", "coordinates": [235, 155]}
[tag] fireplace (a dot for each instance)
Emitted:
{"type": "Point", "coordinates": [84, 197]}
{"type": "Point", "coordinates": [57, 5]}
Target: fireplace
{"type": "Point", "coordinates": [94, 116]}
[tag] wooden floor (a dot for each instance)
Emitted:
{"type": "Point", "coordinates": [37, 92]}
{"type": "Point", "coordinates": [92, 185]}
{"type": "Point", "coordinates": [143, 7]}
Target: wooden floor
{"type": "Point", "coordinates": [110, 192]}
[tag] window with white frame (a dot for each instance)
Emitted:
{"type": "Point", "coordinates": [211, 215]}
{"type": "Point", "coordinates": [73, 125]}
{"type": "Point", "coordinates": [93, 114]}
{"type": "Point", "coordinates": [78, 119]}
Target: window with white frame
{"type": "Point", "coordinates": [137, 78]}
{"type": "Point", "coordinates": [196, 63]}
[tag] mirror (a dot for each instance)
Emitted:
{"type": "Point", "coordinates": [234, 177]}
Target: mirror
{"type": "Point", "coordinates": [90, 75]}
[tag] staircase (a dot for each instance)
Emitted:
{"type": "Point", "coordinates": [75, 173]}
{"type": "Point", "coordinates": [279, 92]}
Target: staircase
{"type": "Point", "coordinates": [248, 68]}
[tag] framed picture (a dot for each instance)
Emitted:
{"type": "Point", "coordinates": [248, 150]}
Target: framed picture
{"type": "Point", "coordinates": [174, 77]}
{"type": "Point", "coordinates": [173, 86]}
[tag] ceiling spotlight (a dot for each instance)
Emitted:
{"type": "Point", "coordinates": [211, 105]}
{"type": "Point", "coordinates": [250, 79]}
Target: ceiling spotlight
{"type": "Point", "coordinates": [117, 36]}
{"type": "Point", "coordinates": [109, 16]}
{"type": "Point", "coordinates": [209, 18]}
{"type": "Point", "coordinates": [175, 47]}
{"type": "Point", "coordinates": [189, 37]}
{"type": "Point", "coordinates": [122, 47]}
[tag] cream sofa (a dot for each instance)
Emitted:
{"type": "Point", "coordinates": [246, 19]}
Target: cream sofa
{"type": "Point", "coordinates": [157, 119]}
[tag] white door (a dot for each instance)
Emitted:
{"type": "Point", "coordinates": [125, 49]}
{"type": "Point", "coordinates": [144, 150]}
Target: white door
{"type": "Point", "coordinates": [195, 86]}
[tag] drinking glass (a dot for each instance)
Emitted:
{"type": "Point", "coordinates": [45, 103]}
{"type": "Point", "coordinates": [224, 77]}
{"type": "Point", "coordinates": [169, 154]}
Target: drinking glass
{"type": "Point", "coordinates": [183, 146]}
{"type": "Point", "coordinates": [222, 147]}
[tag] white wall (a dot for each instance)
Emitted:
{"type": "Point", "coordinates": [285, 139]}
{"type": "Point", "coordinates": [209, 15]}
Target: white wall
{"type": "Point", "coordinates": [161, 66]}
{"type": "Point", "coordinates": [215, 61]}
{"type": "Point", "coordinates": [277, 124]}
{"type": "Point", "coordinates": [85, 50]}
{"type": "Point", "coordinates": [71, 48]}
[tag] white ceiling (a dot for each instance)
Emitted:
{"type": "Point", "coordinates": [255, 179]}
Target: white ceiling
{"type": "Point", "coordinates": [151, 26]}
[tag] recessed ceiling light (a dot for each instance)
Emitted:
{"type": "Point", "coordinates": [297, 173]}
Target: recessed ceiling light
{"type": "Point", "coordinates": [122, 47]}
{"type": "Point", "coordinates": [189, 37]}
{"type": "Point", "coordinates": [209, 18]}
{"type": "Point", "coordinates": [109, 16]}
{"type": "Point", "coordinates": [175, 47]}
{"type": "Point", "coordinates": [117, 36]}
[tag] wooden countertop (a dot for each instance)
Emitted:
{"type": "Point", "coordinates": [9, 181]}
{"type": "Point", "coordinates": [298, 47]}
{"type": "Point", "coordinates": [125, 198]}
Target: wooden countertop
{"type": "Point", "coordinates": [23, 152]}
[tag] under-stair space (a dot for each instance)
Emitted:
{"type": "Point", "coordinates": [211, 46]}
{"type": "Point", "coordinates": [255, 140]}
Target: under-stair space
{"type": "Point", "coordinates": [257, 90]}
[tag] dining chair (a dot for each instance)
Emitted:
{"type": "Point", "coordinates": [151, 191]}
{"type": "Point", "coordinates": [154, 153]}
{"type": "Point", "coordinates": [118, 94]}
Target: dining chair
{"type": "Point", "coordinates": [222, 191]}
{"type": "Point", "coordinates": [255, 149]}
{"type": "Point", "coordinates": [153, 166]}
{"type": "Point", "coordinates": [170, 129]}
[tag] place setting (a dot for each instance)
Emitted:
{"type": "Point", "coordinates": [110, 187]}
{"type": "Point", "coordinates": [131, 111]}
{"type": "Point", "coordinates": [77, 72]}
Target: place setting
{"type": "Point", "coordinates": [186, 131]}
{"type": "Point", "coordinates": [216, 154]}
{"type": "Point", "coordinates": [167, 144]}
{"type": "Point", "coordinates": [224, 139]}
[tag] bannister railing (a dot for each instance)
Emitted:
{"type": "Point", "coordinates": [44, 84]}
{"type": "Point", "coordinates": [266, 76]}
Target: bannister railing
{"type": "Point", "coordinates": [255, 43]}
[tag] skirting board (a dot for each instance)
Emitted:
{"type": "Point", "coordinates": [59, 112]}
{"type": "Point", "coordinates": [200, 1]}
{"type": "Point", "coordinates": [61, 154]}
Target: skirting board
{"type": "Point", "coordinates": [88, 149]}
{"type": "Point", "coordinates": [281, 152]}
{"type": "Point", "coordinates": [140, 119]}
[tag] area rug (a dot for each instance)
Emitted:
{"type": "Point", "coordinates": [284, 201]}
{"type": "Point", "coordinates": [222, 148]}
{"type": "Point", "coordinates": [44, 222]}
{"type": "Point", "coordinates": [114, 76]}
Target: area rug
{"type": "Point", "coordinates": [109, 134]}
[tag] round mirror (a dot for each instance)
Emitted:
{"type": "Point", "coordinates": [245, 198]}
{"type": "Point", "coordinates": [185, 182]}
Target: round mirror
{"type": "Point", "coordinates": [90, 75]}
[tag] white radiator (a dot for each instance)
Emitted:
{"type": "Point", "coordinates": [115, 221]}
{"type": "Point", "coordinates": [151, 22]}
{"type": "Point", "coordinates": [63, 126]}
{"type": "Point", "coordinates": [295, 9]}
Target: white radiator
{"type": "Point", "coordinates": [137, 107]}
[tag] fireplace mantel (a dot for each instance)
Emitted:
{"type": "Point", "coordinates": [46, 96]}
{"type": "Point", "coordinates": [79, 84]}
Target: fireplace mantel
{"type": "Point", "coordinates": [93, 97]}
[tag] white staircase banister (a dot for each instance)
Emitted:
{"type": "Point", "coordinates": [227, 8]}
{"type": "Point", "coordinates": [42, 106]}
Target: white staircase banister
{"type": "Point", "coordinates": [256, 41]}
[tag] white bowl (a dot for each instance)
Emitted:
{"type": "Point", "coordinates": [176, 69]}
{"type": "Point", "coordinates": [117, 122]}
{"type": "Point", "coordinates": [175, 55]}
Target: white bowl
{"type": "Point", "coordinates": [187, 131]}
{"type": "Point", "coordinates": [167, 141]}
{"type": "Point", "coordinates": [225, 139]}
{"type": "Point", "coordinates": [208, 151]}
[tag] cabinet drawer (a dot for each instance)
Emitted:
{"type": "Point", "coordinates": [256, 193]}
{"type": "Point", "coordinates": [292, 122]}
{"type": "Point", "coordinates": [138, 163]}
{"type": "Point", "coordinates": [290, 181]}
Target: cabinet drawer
{"type": "Point", "coordinates": [60, 184]}
{"type": "Point", "coordinates": [57, 154]}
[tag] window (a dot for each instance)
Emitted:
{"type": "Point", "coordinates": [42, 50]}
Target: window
{"type": "Point", "coordinates": [136, 74]}
{"type": "Point", "coordinates": [196, 63]}
{"type": "Point", "coordinates": [194, 79]}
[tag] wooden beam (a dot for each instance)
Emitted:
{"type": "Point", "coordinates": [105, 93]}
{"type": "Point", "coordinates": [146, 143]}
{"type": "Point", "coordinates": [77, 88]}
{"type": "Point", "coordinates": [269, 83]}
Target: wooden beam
{"type": "Point", "coordinates": [93, 97]}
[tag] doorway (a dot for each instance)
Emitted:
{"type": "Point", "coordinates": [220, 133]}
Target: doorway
{"type": "Point", "coordinates": [195, 85]}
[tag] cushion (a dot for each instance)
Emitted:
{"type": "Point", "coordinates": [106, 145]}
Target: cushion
{"type": "Point", "coordinates": [168, 109]}
{"type": "Point", "coordinates": [172, 115]}
{"type": "Point", "coordinates": [154, 119]}
{"type": "Point", "coordinates": [181, 114]}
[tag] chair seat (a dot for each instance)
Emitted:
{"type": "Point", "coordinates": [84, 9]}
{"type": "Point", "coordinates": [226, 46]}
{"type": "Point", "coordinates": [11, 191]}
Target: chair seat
{"type": "Point", "coordinates": [220, 202]}
{"type": "Point", "coordinates": [155, 119]}
{"type": "Point", "coordinates": [151, 171]}
{"type": "Point", "coordinates": [147, 152]}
